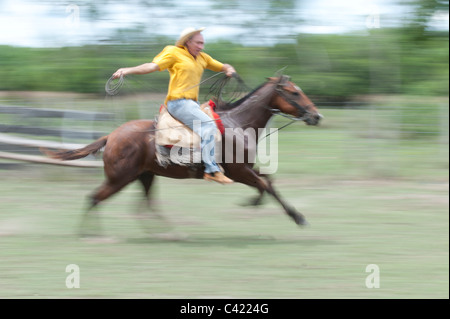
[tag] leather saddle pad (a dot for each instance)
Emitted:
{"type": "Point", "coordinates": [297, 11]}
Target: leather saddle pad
{"type": "Point", "coordinates": [170, 132]}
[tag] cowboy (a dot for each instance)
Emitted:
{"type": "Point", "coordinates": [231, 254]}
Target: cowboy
{"type": "Point", "coordinates": [186, 63]}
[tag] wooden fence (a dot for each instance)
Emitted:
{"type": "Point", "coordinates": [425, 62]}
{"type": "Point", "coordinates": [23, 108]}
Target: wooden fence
{"type": "Point", "coordinates": [26, 132]}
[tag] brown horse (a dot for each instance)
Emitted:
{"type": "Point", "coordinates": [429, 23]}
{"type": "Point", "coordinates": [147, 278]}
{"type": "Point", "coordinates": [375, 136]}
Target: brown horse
{"type": "Point", "coordinates": [130, 150]}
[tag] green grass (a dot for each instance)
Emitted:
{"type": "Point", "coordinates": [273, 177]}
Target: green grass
{"type": "Point", "coordinates": [212, 247]}
{"type": "Point", "coordinates": [370, 199]}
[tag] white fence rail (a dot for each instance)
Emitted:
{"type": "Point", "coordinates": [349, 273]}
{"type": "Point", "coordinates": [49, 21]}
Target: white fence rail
{"type": "Point", "coordinates": [24, 134]}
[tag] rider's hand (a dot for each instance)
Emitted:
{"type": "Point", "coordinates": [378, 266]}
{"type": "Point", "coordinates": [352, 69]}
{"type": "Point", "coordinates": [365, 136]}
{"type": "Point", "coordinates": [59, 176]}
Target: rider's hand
{"type": "Point", "coordinates": [119, 73]}
{"type": "Point", "coordinates": [230, 72]}
{"type": "Point", "coordinates": [228, 69]}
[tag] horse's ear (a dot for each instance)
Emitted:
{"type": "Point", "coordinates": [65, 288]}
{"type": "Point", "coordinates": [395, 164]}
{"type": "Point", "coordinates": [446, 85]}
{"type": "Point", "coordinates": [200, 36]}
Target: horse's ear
{"type": "Point", "coordinates": [279, 73]}
{"type": "Point", "coordinates": [281, 80]}
{"type": "Point", "coordinates": [284, 79]}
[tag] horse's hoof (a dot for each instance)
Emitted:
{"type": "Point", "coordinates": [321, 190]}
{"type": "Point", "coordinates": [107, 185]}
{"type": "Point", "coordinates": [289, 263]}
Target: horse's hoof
{"type": "Point", "coordinates": [300, 220]}
{"type": "Point", "coordinates": [252, 202]}
{"type": "Point", "coordinates": [304, 223]}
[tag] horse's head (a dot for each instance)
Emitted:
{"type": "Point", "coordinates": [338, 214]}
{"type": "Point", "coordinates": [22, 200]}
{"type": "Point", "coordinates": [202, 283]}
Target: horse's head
{"type": "Point", "coordinates": [290, 99]}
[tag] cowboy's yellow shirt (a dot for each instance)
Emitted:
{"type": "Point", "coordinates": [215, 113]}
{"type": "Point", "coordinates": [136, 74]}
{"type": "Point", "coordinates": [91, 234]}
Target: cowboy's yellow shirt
{"type": "Point", "coordinates": [185, 71]}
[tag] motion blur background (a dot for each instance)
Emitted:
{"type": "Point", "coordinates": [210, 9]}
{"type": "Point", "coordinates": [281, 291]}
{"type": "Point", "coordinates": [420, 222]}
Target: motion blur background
{"type": "Point", "coordinates": [337, 51]}
{"type": "Point", "coordinates": [372, 179]}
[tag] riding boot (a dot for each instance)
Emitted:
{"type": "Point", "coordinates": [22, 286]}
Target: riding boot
{"type": "Point", "coordinates": [217, 177]}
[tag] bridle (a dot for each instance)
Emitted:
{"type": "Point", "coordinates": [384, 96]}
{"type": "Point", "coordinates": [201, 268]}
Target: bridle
{"type": "Point", "coordinates": [284, 79]}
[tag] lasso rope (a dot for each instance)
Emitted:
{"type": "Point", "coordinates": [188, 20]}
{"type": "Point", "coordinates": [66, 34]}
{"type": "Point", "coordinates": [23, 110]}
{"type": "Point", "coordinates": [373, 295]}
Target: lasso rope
{"type": "Point", "coordinates": [217, 89]}
{"type": "Point", "coordinates": [113, 88]}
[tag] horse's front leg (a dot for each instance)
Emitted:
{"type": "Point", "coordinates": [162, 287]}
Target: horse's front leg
{"type": "Point", "coordinates": [248, 176]}
{"type": "Point", "coordinates": [298, 218]}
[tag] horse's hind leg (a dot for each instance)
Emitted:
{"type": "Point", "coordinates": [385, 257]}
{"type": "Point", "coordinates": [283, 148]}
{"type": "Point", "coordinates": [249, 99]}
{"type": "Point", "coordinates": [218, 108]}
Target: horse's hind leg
{"type": "Point", "coordinates": [147, 220]}
{"type": "Point", "coordinates": [107, 189]}
{"type": "Point", "coordinates": [147, 179]}
{"type": "Point", "coordinates": [257, 200]}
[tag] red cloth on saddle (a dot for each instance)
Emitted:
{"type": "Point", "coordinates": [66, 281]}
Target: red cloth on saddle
{"type": "Point", "coordinates": [216, 116]}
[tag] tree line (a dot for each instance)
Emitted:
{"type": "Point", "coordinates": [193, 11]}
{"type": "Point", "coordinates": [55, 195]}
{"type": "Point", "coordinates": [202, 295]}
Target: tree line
{"type": "Point", "coordinates": [337, 67]}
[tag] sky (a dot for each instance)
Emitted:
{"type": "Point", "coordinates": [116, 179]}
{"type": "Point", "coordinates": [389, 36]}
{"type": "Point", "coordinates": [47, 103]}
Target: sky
{"type": "Point", "coordinates": [41, 24]}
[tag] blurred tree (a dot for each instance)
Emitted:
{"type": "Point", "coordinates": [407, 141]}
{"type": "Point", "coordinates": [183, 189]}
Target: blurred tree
{"type": "Point", "coordinates": [418, 21]}
{"type": "Point", "coordinates": [331, 66]}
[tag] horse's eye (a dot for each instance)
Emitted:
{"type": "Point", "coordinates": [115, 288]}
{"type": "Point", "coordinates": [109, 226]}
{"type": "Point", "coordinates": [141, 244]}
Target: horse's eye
{"type": "Point", "coordinates": [295, 93]}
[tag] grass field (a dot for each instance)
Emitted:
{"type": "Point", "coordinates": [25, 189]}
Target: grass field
{"type": "Point", "coordinates": [370, 198]}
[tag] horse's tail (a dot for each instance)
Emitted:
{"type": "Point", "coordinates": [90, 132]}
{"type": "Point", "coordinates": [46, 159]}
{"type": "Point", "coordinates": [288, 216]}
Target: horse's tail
{"type": "Point", "coordinates": [92, 148]}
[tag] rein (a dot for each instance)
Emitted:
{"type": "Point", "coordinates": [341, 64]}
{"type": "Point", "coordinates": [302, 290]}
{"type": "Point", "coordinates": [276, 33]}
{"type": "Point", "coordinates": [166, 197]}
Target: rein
{"type": "Point", "coordinates": [282, 94]}
{"type": "Point", "coordinates": [293, 119]}
{"type": "Point", "coordinates": [280, 128]}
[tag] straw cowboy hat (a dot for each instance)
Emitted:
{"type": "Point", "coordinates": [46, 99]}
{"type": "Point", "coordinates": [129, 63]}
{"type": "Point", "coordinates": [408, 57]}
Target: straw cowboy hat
{"type": "Point", "coordinates": [186, 34]}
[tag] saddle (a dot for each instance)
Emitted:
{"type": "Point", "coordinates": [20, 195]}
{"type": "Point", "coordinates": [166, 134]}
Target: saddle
{"type": "Point", "coordinates": [171, 132]}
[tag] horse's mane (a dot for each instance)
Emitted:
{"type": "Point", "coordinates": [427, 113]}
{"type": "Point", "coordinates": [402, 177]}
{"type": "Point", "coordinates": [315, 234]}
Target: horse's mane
{"type": "Point", "coordinates": [224, 106]}
{"type": "Point", "coordinates": [227, 92]}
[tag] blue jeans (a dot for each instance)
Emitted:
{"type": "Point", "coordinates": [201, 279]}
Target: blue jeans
{"type": "Point", "coordinates": [189, 113]}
